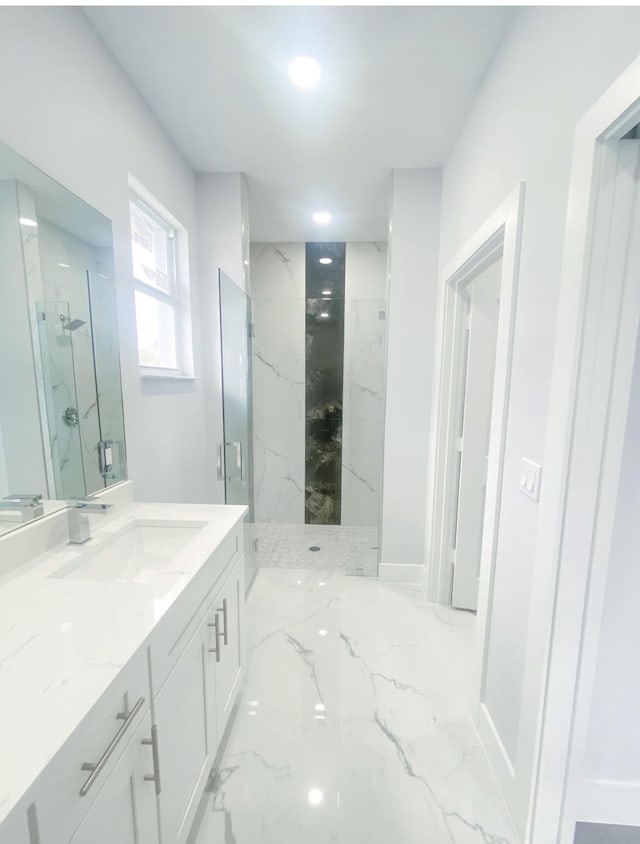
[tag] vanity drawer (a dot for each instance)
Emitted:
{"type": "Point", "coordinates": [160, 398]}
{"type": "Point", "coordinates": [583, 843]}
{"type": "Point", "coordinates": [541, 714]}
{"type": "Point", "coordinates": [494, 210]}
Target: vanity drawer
{"type": "Point", "coordinates": [174, 630]}
{"type": "Point", "coordinates": [100, 738]}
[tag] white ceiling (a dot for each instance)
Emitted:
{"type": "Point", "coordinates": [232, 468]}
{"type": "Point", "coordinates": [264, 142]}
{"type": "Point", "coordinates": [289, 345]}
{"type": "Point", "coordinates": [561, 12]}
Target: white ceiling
{"type": "Point", "coordinates": [397, 83]}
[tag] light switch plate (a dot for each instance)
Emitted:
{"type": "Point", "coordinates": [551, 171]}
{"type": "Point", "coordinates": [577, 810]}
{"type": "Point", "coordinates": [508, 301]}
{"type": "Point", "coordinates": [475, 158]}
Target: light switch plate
{"type": "Point", "coordinates": [530, 479]}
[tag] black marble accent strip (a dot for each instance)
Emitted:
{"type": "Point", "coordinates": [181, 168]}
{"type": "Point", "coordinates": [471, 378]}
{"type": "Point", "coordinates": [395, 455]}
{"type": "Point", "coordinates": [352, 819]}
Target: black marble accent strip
{"type": "Point", "coordinates": [324, 382]}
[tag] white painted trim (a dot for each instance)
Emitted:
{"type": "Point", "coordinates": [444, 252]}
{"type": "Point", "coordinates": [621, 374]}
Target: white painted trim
{"type": "Point", "coordinates": [610, 801]}
{"type": "Point", "coordinates": [492, 743]}
{"type": "Point", "coordinates": [401, 573]}
{"type": "Point", "coordinates": [583, 409]}
{"type": "Point", "coordinates": [501, 234]}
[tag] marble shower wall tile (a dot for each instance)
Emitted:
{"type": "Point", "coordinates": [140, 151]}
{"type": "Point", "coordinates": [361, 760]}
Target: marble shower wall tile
{"type": "Point", "coordinates": [364, 372]}
{"type": "Point", "coordinates": [278, 314]}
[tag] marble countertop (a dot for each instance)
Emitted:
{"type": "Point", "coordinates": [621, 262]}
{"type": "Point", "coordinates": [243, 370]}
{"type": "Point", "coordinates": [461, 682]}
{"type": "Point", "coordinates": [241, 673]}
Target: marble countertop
{"type": "Point", "coordinates": [63, 641]}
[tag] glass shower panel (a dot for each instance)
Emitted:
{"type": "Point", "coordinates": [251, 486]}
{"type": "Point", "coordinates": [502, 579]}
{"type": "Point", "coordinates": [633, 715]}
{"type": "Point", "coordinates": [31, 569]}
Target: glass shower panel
{"type": "Point", "coordinates": [55, 331]}
{"type": "Point", "coordinates": [237, 406]}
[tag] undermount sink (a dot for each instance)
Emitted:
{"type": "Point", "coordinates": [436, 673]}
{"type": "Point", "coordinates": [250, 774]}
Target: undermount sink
{"type": "Point", "coordinates": [133, 555]}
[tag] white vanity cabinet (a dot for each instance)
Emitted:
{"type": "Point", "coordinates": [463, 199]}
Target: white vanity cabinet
{"type": "Point", "coordinates": [15, 829]}
{"type": "Point", "coordinates": [67, 788]}
{"type": "Point", "coordinates": [129, 764]}
{"type": "Point", "coordinates": [187, 736]}
{"type": "Point", "coordinates": [124, 810]}
{"type": "Point", "coordinates": [229, 613]}
{"type": "Point", "coordinates": [192, 708]}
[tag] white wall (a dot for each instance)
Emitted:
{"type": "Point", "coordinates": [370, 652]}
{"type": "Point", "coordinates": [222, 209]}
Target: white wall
{"type": "Point", "coordinates": [554, 63]}
{"type": "Point", "coordinates": [74, 114]}
{"type": "Point", "coordinates": [413, 277]}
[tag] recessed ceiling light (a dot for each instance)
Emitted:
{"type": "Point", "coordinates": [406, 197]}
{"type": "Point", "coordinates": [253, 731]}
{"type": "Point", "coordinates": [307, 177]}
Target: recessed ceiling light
{"type": "Point", "coordinates": [64, 266]}
{"type": "Point", "coordinates": [315, 796]}
{"type": "Point", "coordinates": [27, 221]}
{"type": "Point", "coordinates": [322, 218]}
{"type": "Point", "coordinates": [326, 293]}
{"type": "Point", "coordinates": [324, 315]}
{"type": "Point", "coordinates": [304, 72]}
{"type": "Point", "coordinates": [326, 260]}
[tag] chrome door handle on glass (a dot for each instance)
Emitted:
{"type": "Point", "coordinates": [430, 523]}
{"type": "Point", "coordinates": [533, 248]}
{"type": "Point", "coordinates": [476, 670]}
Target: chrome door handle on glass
{"type": "Point", "coordinates": [238, 461]}
{"type": "Point", "coordinates": [219, 462]}
{"type": "Point", "coordinates": [153, 741]}
{"type": "Point", "coordinates": [97, 767]}
{"type": "Point", "coordinates": [216, 627]}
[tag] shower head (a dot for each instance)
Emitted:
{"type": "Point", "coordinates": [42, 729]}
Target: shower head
{"type": "Point", "coordinates": [71, 324]}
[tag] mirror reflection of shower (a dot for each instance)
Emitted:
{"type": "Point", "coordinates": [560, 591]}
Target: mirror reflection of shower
{"type": "Point", "coordinates": [71, 324]}
{"type": "Point", "coordinates": [80, 364]}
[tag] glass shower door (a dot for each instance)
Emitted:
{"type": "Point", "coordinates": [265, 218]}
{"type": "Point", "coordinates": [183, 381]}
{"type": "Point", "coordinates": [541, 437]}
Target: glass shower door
{"type": "Point", "coordinates": [237, 460]}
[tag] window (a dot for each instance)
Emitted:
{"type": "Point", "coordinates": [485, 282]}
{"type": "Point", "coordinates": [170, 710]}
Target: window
{"type": "Point", "coordinates": [159, 305]}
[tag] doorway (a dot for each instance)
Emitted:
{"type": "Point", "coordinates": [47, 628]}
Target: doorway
{"type": "Point", "coordinates": [587, 769]}
{"type": "Point", "coordinates": [470, 437]}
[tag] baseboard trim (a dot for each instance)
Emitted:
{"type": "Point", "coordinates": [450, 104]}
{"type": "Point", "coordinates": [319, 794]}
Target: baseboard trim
{"type": "Point", "coordinates": [610, 802]}
{"type": "Point", "coordinates": [401, 573]}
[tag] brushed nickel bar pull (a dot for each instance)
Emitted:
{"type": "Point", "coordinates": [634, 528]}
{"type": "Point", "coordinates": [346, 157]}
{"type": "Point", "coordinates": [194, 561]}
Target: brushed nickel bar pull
{"type": "Point", "coordinates": [96, 767]}
{"type": "Point", "coordinates": [153, 741]}
{"type": "Point", "coordinates": [216, 650]}
{"type": "Point", "coordinates": [225, 637]}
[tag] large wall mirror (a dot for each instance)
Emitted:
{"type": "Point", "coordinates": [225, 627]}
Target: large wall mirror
{"type": "Point", "coordinates": [61, 417]}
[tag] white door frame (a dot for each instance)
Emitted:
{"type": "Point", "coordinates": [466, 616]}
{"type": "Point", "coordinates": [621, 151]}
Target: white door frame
{"type": "Point", "coordinates": [500, 235]}
{"type": "Point", "coordinates": [590, 384]}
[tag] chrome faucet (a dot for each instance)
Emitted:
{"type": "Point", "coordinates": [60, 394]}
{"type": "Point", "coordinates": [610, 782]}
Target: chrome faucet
{"type": "Point", "coordinates": [78, 518]}
{"type": "Point", "coordinates": [29, 505]}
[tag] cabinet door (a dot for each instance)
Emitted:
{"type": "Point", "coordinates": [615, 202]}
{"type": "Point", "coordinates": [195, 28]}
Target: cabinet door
{"type": "Point", "coordinates": [15, 829]}
{"type": "Point", "coordinates": [229, 613]}
{"type": "Point", "coordinates": [125, 809]}
{"type": "Point", "coordinates": [186, 739]}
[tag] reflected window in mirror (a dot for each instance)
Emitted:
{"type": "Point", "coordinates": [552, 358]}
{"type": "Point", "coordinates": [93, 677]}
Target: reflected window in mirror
{"type": "Point", "coordinates": [161, 290]}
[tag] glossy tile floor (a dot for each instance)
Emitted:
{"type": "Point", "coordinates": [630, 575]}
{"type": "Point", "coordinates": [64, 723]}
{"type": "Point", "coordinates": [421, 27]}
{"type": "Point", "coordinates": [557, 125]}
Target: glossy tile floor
{"type": "Point", "coordinates": [352, 727]}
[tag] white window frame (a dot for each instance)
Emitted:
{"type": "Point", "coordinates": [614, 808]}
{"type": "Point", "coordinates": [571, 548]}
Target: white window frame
{"type": "Point", "coordinates": [178, 296]}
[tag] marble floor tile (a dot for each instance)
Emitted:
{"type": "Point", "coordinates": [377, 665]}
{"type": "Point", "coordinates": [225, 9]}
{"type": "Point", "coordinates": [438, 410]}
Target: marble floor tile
{"type": "Point", "coordinates": [352, 726]}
